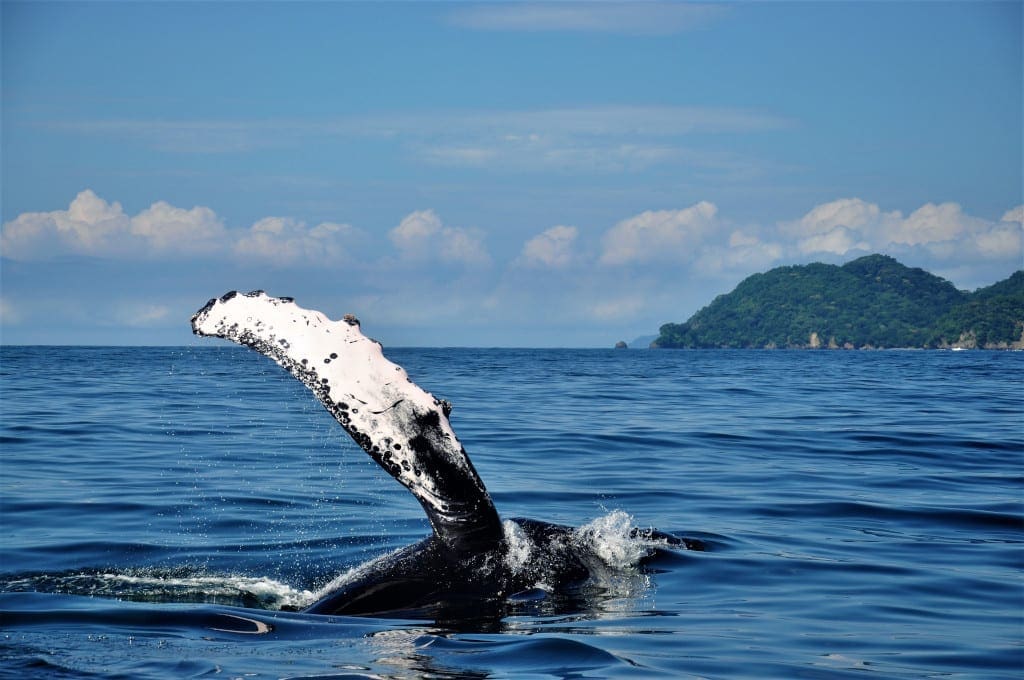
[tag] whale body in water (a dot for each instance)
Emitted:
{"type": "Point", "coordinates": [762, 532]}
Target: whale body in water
{"type": "Point", "coordinates": [472, 556]}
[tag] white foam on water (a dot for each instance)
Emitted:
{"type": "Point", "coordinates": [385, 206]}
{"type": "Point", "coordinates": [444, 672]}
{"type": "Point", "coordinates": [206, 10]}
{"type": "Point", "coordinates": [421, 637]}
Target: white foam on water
{"type": "Point", "coordinates": [145, 585]}
{"type": "Point", "coordinates": [271, 593]}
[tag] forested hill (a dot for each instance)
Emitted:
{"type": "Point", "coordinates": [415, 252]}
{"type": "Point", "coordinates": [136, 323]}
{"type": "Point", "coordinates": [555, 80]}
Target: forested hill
{"type": "Point", "coordinates": [871, 302]}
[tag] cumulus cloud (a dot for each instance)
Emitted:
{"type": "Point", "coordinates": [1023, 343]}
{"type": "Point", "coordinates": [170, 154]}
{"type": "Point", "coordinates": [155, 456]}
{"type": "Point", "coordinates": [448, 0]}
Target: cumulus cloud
{"type": "Point", "coordinates": [839, 240]}
{"type": "Point", "coordinates": [942, 230]}
{"type": "Point", "coordinates": [421, 236]}
{"type": "Point", "coordinates": [933, 223]}
{"type": "Point", "coordinates": [1004, 238]}
{"type": "Point", "coordinates": [934, 235]}
{"type": "Point", "coordinates": [165, 227]}
{"type": "Point", "coordinates": [92, 226]}
{"type": "Point", "coordinates": [285, 241]}
{"type": "Point", "coordinates": [849, 213]}
{"type": "Point", "coordinates": [745, 252]}
{"type": "Point", "coordinates": [551, 248]}
{"type": "Point", "coordinates": [658, 235]}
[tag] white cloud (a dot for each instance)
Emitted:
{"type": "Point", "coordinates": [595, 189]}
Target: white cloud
{"type": "Point", "coordinates": [744, 253]}
{"type": "Point", "coordinates": [739, 239]}
{"type": "Point", "coordinates": [851, 213]}
{"type": "Point", "coordinates": [166, 227]}
{"type": "Point", "coordinates": [940, 230]}
{"type": "Point", "coordinates": [90, 219]}
{"type": "Point", "coordinates": [838, 240]}
{"type": "Point", "coordinates": [285, 241]}
{"type": "Point", "coordinates": [416, 228]}
{"type": "Point", "coordinates": [551, 248]}
{"type": "Point", "coordinates": [935, 236]}
{"type": "Point", "coordinates": [1014, 215]}
{"type": "Point", "coordinates": [648, 18]}
{"type": "Point", "coordinates": [662, 235]}
{"type": "Point", "coordinates": [421, 236]}
{"type": "Point", "coordinates": [1005, 239]}
{"type": "Point", "coordinates": [92, 226]}
{"type": "Point", "coordinates": [933, 223]}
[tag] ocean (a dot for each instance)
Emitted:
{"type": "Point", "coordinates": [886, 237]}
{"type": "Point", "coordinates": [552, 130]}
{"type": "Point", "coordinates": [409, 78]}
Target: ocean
{"type": "Point", "coordinates": [167, 513]}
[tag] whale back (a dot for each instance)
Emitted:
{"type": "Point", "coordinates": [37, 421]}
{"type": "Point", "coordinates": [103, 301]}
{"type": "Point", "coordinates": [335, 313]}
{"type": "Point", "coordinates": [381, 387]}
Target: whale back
{"type": "Point", "coordinates": [401, 426]}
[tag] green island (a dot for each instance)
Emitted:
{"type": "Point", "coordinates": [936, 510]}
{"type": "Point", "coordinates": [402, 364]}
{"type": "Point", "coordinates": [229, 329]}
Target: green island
{"type": "Point", "coordinates": [873, 302]}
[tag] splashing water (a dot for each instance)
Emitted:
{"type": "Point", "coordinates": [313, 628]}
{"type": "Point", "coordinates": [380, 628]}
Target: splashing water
{"type": "Point", "coordinates": [519, 547]}
{"type": "Point", "coordinates": [609, 537]}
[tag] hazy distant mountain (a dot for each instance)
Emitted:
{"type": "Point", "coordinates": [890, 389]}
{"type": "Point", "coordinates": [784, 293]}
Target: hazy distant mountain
{"type": "Point", "coordinates": [643, 342]}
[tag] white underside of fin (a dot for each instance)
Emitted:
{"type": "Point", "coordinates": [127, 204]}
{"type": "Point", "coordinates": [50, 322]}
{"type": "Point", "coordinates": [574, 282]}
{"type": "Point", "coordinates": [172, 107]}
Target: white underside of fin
{"type": "Point", "coordinates": [403, 427]}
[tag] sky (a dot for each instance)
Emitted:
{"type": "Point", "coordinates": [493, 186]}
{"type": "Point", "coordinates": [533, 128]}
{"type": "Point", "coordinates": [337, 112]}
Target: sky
{"type": "Point", "coordinates": [497, 174]}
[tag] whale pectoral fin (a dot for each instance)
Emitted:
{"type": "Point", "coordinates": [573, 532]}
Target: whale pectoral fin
{"type": "Point", "coordinates": [401, 426]}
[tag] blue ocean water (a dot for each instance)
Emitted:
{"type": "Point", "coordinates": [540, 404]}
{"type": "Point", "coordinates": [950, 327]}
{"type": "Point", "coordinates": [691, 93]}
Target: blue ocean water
{"type": "Point", "coordinates": [165, 512]}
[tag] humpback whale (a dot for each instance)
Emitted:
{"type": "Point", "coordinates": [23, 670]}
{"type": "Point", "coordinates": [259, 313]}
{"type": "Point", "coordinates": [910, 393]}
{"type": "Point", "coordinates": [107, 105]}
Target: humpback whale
{"type": "Point", "coordinates": [472, 556]}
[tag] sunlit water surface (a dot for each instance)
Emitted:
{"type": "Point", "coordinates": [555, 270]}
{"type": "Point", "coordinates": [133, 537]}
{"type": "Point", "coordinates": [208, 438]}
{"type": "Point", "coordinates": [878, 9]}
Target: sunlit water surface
{"type": "Point", "coordinates": [166, 512]}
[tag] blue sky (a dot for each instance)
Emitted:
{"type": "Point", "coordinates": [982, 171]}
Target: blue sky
{"type": "Point", "coordinates": [500, 174]}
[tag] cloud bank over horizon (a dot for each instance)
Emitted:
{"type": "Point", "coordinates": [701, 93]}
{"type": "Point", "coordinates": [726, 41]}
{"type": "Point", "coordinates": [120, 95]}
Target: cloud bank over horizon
{"type": "Point", "coordinates": [422, 269]}
{"type": "Point", "coordinates": [94, 226]}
